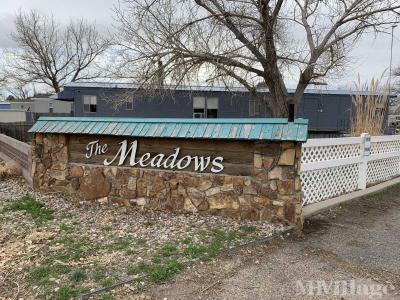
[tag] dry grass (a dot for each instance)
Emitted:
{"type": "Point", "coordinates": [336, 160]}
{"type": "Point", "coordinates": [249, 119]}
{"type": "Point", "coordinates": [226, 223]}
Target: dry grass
{"type": "Point", "coordinates": [370, 109]}
{"type": "Point", "coordinates": [9, 169]}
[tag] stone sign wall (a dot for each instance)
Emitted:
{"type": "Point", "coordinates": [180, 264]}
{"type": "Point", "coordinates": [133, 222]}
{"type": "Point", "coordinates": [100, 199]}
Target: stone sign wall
{"type": "Point", "coordinates": [260, 180]}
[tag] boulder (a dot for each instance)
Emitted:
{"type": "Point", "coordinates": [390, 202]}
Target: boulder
{"type": "Point", "coordinates": [94, 185]}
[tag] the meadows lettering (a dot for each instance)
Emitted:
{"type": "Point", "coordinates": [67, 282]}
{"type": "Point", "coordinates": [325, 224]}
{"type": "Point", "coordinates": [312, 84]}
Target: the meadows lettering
{"type": "Point", "coordinates": [171, 161]}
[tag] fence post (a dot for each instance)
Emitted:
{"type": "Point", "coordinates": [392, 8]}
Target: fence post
{"type": "Point", "coordinates": [365, 151]}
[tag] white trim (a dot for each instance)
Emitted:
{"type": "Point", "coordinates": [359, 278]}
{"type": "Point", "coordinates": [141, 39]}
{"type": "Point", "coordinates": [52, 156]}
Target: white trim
{"type": "Point", "coordinates": [379, 156]}
{"type": "Point", "coordinates": [385, 138]}
{"type": "Point", "coordinates": [331, 142]}
{"type": "Point", "coordinates": [329, 164]}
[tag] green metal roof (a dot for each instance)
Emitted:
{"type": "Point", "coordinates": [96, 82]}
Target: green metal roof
{"type": "Point", "coordinates": [232, 129]}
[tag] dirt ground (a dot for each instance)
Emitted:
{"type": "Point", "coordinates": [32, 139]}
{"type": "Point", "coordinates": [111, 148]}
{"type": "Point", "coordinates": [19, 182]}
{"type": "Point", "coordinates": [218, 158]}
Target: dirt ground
{"type": "Point", "coordinates": [358, 243]}
{"type": "Point", "coordinates": [54, 248]}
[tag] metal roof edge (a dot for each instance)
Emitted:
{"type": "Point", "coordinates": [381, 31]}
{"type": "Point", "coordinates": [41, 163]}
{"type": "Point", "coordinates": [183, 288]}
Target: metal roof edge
{"type": "Point", "coordinates": [125, 85]}
{"type": "Point", "coordinates": [178, 120]}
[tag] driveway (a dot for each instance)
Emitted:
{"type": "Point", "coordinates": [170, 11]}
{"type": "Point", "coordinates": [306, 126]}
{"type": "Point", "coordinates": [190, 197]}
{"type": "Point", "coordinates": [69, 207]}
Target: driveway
{"type": "Point", "coordinates": [354, 248]}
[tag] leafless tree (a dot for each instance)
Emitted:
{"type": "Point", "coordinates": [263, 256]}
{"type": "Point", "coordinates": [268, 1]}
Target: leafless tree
{"type": "Point", "coordinates": [52, 54]}
{"type": "Point", "coordinates": [246, 42]}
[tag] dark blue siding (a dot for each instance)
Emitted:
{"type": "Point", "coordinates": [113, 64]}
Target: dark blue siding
{"type": "Point", "coordinates": [325, 112]}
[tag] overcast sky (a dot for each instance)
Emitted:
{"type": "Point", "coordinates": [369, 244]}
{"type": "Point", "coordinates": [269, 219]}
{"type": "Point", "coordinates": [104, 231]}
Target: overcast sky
{"type": "Point", "coordinates": [372, 57]}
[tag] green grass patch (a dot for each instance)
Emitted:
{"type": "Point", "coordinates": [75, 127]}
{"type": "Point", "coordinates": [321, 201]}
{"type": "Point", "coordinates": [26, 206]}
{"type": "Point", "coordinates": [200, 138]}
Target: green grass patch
{"type": "Point", "coordinates": [106, 282]}
{"type": "Point", "coordinates": [74, 249]}
{"type": "Point", "coordinates": [32, 207]}
{"type": "Point", "coordinates": [66, 228]}
{"type": "Point", "coordinates": [141, 267]}
{"type": "Point", "coordinates": [121, 244]}
{"type": "Point", "coordinates": [164, 272]}
{"type": "Point", "coordinates": [195, 252]}
{"type": "Point", "coordinates": [40, 275]}
{"type": "Point", "coordinates": [66, 292]}
{"type": "Point", "coordinates": [168, 250]}
{"type": "Point", "coordinates": [107, 296]}
{"type": "Point", "coordinates": [78, 276]}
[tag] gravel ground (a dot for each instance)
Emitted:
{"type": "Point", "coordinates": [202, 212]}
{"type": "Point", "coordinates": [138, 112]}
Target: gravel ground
{"type": "Point", "coordinates": [78, 247]}
{"type": "Point", "coordinates": [358, 242]}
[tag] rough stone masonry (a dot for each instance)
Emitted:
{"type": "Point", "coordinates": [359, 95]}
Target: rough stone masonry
{"type": "Point", "coordinates": [272, 192]}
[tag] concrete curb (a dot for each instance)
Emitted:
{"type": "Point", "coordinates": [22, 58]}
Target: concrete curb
{"type": "Point", "coordinates": [319, 207]}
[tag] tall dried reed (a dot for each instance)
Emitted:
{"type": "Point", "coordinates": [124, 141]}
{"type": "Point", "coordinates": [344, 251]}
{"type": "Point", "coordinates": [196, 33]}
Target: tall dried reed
{"type": "Point", "coordinates": [370, 105]}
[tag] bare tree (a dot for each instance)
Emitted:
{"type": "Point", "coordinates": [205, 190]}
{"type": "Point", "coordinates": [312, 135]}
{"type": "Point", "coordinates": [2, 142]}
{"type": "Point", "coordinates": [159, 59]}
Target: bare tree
{"type": "Point", "coordinates": [51, 54]}
{"type": "Point", "coordinates": [246, 42]}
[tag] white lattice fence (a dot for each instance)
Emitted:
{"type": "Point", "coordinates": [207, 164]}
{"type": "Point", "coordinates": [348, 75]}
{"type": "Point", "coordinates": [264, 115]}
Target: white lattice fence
{"type": "Point", "coordinates": [332, 167]}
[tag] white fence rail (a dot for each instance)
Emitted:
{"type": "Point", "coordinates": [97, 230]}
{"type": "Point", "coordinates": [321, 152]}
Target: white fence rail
{"type": "Point", "coordinates": [332, 167]}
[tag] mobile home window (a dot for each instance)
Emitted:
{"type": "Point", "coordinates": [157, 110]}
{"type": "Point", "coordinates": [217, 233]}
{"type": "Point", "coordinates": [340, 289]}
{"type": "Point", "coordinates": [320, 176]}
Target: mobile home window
{"type": "Point", "coordinates": [205, 107]}
{"type": "Point", "coordinates": [254, 108]}
{"type": "Point", "coordinates": [89, 103]}
{"type": "Point", "coordinates": [212, 107]}
{"type": "Point", "coordinates": [199, 107]}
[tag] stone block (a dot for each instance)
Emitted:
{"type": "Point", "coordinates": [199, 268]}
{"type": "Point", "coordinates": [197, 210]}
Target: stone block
{"type": "Point", "coordinates": [297, 184]}
{"type": "Point", "coordinates": [103, 201]}
{"type": "Point", "coordinates": [273, 185]}
{"type": "Point", "coordinates": [238, 181]}
{"type": "Point", "coordinates": [95, 185]}
{"type": "Point", "coordinates": [276, 173]}
{"type": "Point", "coordinates": [285, 187]}
{"type": "Point", "coordinates": [223, 201]}
{"type": "Point", "coordinates": [258, 160]}
{"type": "Point", "coordinates": [141, 201]}
{"type": "Point", "coordinates": [249, 190]}
{"type": "Point", "coordinates": [213, 191]}
{"type": "Point", "coordinates": [287, 157]}
{"type": "Point", "coordinates": [76, 171]}
{"type": "Point", "coordinates": [250, 214]}
{"type": "Point", "coordinates": [227, 187]}
{"type": "Point", "coordinates": [189, 206]}
{"type": "Point", "coordinates": [268, 162]}
{"type": "Point", "coordinates": [205, 185]}
{"type": "Point", "coordinates": [131, 184]}
{"type": "Point", "coordinates": [263, 201]}
{"type": "Point", "coordinates": [195, 195]}
{"type": "Point", "coordinates": [290, 212]}
{"type": "Point", "coordinates": [58, 175]}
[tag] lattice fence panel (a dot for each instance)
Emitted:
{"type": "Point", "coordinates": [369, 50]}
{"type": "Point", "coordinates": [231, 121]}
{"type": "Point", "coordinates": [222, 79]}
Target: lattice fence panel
{"type": "Point", "coordinates": [385, 147]}
{"type": "Point", "coordinates": [331, 152]}
{"type": "Point", "coordinates": [318, 185]}
{"type": "Point", "coordinates": [383, 169]}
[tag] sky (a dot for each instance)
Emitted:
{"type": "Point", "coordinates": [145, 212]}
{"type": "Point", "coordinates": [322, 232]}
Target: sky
{"type": "Point", "coordinates": [370, 58]}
